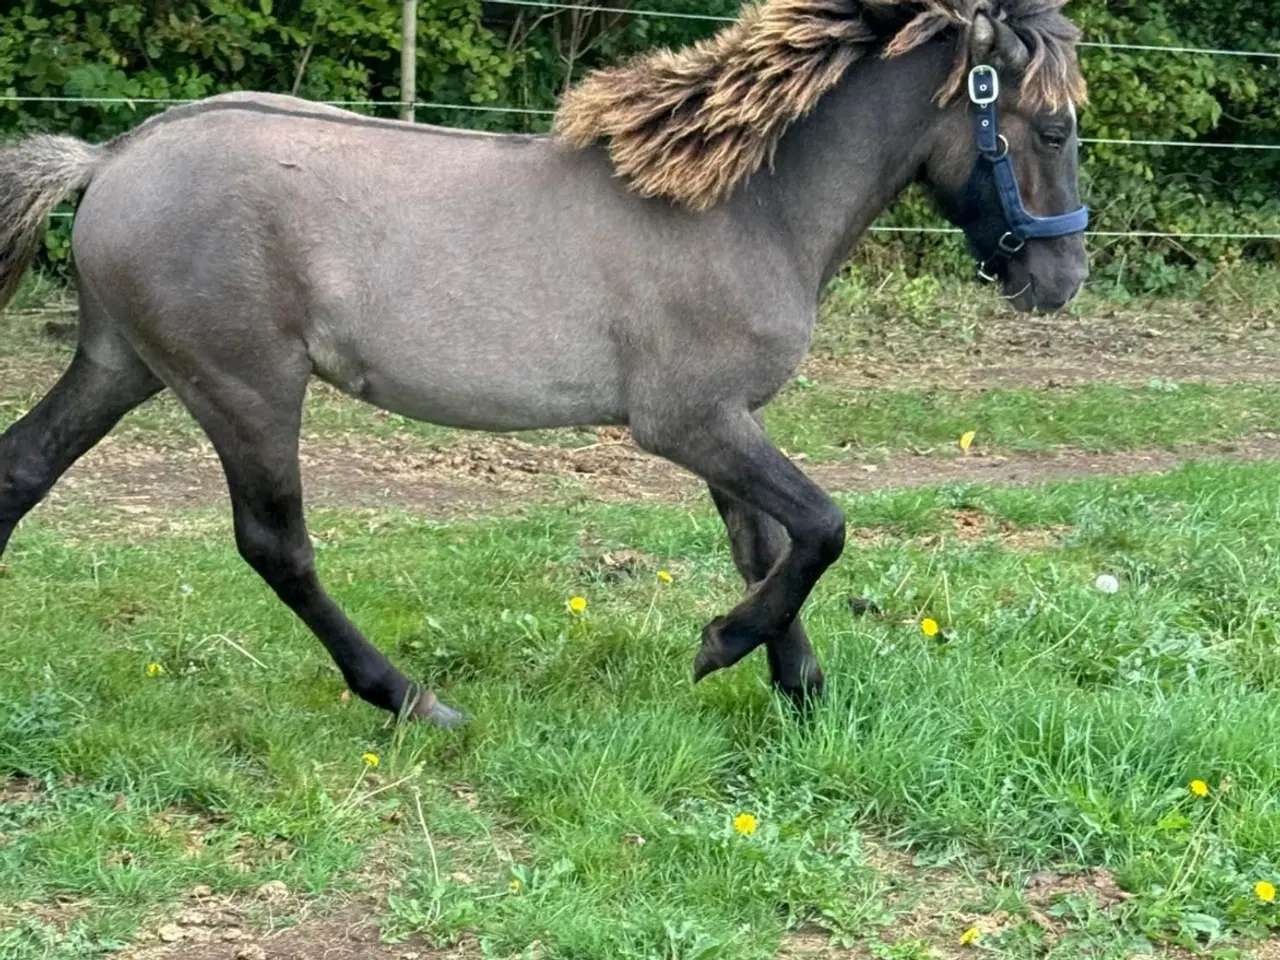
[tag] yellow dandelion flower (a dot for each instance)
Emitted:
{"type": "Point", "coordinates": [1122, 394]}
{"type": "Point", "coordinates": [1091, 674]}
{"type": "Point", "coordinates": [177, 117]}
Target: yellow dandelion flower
{"type": "Point", "coordinates": [970, 937]}
{"type": "Point", "coordinates": [665, 576]}
{"type": "Point", "coordinates": [370, 759]}
{"type": "Point", "coordinates": [577, 604]}
{"type": "Point", "coordinates": [516, 885]}
{"type": "Point", "coordinates": [966, 441]}
{"type": "Point", "coordinates": [1199, 788]}
{"type": "Point", "coordinates": [1265, 891]}
{"type": "Point", "coordinates": [929, 627]}
{"type": "Point", "coordinates": [155, 670]}
{"type": "Point", "coordinates": [745, 824]}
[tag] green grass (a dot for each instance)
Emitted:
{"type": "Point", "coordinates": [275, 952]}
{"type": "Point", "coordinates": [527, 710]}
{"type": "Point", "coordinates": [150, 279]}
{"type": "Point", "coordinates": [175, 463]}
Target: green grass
{"type": "Point", "coordinates": [831, 423]}
{"type": "Point", "coordinates": [1049, 725]}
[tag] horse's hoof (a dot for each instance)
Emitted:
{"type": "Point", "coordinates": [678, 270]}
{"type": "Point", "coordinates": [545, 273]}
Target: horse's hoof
{"type": "Point", "coordinates": [711, 655]}
{"type": "Point", "coordinates": [431, 709]}
{"type": "Point", "coordinates": [723, 645]}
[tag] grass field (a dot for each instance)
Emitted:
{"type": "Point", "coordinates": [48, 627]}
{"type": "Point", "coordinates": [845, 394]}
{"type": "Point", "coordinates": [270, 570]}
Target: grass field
{"type": "Point", "coordinates": [1059, 772]}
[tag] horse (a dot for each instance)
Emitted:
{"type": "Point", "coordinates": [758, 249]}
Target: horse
{"type": "Point", "coordinates": [655, 262]}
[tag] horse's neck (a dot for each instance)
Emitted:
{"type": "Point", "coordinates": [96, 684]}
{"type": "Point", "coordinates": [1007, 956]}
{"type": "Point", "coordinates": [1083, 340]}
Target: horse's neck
{"type": "Point", "coordinates": [839, 168]}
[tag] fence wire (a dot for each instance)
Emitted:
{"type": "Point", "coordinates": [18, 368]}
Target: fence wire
{"type": "Point", "coordinates": [530, 111]}
{"type": "Point", "coordinates": [710, 18]}
{"type": "Point", "coordinates": [955, 231]}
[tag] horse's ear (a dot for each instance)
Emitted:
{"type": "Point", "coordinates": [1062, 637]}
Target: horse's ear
{"type": "Point", "coordinates": [982, 39]}
{"type": "Point", "coordinates": [1010, 53]}
{"type": "Point", "coordinates": [993, 41]}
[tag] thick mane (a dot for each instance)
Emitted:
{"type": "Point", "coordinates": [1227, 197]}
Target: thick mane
{"type": "Point", "coordinates": [693, 124]}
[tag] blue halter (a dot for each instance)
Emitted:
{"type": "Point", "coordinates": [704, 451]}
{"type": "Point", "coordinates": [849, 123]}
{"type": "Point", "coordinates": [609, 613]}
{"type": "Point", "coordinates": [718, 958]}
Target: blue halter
{"type": "Point", "coordinates": [993, 150]}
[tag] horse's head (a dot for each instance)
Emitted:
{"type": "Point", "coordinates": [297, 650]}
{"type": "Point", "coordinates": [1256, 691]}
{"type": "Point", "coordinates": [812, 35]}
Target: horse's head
{"type": "Point", "coordinates": [1006, 170]}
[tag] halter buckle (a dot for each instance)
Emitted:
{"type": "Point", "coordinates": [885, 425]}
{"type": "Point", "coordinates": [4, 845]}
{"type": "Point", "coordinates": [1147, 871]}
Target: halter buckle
{"type": "Point", "coordinates": [984, 85]}
{"type": "Point", "coordinates": [1011, 248]}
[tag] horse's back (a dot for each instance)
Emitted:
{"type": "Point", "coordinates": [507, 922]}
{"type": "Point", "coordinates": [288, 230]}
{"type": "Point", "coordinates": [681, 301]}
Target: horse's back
{"type": "Point", "coordinates": [264, 174]}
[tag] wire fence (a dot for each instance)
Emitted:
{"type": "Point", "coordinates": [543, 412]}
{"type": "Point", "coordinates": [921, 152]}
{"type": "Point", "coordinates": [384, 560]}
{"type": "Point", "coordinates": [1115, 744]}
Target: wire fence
{"type": "Point", "coordinates": [670, 15]}
{"type": "Point", "coordinates": [955, 231]}
{"type": "Point", "coordinates": [531, 111]}
{"type": "Point", "coordinates": [557, 7]}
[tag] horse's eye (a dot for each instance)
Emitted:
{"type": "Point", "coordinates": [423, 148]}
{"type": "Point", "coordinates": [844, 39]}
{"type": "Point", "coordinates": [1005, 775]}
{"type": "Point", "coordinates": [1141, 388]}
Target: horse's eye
{"type": "Point", "coordinates": [1054, 138]}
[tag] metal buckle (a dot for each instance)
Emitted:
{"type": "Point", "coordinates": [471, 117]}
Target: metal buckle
{"type": "Point", "coordinates": [1008, 249]}
{"type": "Point", "coordinates": [984, 85]}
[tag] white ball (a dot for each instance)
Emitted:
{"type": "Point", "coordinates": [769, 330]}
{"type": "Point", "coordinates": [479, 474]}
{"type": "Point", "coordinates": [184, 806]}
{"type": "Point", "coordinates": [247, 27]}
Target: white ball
{"type": "Point", "coordinates": [1107, 583]}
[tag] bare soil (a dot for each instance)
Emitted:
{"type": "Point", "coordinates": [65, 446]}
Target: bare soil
{"type": "Point", "coordinates": [497, 474]}
{"type": "Point", "coordinates": [222, 928]}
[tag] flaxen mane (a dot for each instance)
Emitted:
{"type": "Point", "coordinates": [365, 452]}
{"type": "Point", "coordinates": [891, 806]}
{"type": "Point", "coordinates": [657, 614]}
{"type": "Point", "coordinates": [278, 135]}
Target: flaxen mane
{"type": "Point", "coordinates": [691, 125]}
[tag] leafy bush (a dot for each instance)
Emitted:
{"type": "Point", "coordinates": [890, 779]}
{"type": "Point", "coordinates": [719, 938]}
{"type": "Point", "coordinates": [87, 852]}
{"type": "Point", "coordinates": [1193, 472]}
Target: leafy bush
{"type": "Point", "coordinates": [498, 54]}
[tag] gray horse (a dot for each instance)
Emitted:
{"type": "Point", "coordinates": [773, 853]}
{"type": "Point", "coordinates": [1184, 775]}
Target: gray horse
{"type": "Point", "coordinates": [656, 263]}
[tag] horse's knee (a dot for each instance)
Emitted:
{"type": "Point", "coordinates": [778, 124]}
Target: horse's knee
{"type": "Point", "coordinates": [823, 533]}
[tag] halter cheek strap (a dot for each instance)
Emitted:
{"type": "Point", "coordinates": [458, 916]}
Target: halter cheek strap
{"type": "Point", "coordinates": [993, 150]}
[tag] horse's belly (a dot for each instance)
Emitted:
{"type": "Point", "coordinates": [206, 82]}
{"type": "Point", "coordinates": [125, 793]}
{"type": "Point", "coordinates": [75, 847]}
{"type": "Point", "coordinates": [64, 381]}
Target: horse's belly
{"type": "Point", "coordinates": [463, 350]}
{"type": "Point", "coordinates": [459, 388]}
{"type": "Point", "coordinates": [548, 405]}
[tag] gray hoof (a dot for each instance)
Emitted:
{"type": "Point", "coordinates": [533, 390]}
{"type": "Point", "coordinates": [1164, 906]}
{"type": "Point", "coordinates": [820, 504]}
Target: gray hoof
{"type": "Point", "coordinates": [431, 709]}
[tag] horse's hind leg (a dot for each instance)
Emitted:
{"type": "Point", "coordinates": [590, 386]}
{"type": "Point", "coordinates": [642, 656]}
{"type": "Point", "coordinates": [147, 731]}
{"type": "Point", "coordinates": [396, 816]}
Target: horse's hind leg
{"type": "Point", "coordinates": [758, 542]}
{"type": "Point", "coordinates": [250, 405]}
{"type": "Point", "coordinates": [104, 382]}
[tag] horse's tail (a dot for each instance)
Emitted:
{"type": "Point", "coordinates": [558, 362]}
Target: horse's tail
{"type": "Point", "coordinates": [36, 174]}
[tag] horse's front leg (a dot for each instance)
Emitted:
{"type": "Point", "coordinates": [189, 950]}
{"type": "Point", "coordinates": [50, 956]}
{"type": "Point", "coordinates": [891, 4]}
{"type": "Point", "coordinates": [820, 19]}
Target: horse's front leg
{"type": "Point", "coordinates": [729, 449]}
{"type": "Point", "coordinates": [758, 542]}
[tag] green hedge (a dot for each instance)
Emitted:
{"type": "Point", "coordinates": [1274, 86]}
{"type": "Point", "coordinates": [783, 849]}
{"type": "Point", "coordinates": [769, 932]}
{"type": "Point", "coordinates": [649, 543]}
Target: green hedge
{"type": "Point", "coordinates": [496, 54]}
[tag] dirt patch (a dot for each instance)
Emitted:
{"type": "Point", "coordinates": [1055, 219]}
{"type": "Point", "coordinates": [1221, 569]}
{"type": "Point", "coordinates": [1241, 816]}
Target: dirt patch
{"type": "Point", "coordinates": [970, 527]}
{"type": "Point", "coordinates": [1045, 890]}
{"type": "Point", "coordinates": [1022, 469]}
{"type": "Point", "coordinates": [273, 926]}
{"type": "Point", "coordinates": [467, 476]}
{"type": "Point", "coordinates": [274, 922]}
{"type": "Point", "coordinates": [56, 913]}
{"type": "Point", "coordinates": [499, 474]}
{"type": "Point", "coordinates": [806, 944]}
{"type": "Point", "coordinates": [17, 791]}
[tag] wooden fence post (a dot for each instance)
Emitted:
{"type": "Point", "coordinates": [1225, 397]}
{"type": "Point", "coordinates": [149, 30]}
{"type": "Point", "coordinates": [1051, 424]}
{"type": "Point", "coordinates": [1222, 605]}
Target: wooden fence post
{"type": "Point", "coordinates": [408, 59]}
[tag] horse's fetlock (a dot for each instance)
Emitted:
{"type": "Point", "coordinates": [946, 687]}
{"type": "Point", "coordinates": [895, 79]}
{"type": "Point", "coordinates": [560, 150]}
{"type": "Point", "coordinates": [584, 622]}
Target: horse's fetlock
{"type": "Point", "coordinates": [380, 684]}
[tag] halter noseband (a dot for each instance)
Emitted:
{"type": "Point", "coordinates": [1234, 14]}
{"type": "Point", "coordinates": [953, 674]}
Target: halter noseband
{"type": "Point", "coordinates": [993, 150]}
